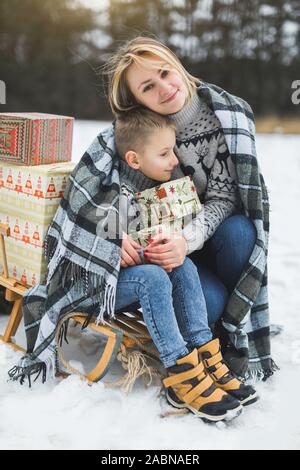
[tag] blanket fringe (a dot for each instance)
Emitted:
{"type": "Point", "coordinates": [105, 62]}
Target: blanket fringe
{"type": "Point", "coordinates": [22, 371]}
{"type": "Point", "coordinates": [102, 291]}
{"type": "Point", "coordinates": [259, 374]}
{"type": "Point", "coordinates": [19, 373]}
{"type": "Point", "coordinates": [63, 332]}
{"type": "Point", "coordinates": [107, 304]}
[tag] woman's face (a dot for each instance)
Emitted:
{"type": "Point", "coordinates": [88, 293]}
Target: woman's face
{"type": "Point", "coordinates": [161, 90]}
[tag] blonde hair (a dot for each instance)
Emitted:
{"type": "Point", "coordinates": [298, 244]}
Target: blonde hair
{"type": "Point", "coordinates": [120, 97]}
{"type": "Point", "coordinates": [133, 128]}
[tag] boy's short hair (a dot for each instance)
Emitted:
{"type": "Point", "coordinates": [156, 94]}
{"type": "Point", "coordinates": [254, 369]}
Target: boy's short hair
{"type": "Point", "coordinates": [134, 127]}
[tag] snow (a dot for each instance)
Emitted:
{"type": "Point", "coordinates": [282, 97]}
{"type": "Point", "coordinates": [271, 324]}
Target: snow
{"type": "Point", "coordinates": [70, 414]}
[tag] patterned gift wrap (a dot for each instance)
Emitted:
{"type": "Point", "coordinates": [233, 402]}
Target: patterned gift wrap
{"type": "Point", "coordinates": [35, 138]}
{"type": "Point", "coordinates": [29, 197]}
{"type": "Point", "coordinates": [166, 208]}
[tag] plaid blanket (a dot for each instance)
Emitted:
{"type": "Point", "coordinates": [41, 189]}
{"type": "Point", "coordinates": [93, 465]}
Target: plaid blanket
{"type": "Point", "coordinates": [246, 317]}
{"type": "Point", "coordinates": [84, 262]}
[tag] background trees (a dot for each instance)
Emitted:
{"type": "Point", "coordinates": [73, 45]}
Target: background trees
{"type": "Point", "coordinates": [50, 49]}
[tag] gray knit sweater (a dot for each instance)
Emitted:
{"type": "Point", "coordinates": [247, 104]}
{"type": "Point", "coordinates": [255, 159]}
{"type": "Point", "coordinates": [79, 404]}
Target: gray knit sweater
{"type": "Point", "coordinates": [203, 153]}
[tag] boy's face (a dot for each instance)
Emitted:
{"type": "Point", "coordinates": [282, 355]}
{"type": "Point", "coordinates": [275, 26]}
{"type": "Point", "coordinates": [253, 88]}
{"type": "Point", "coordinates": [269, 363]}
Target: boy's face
{"type": "Point", "coordinates": [158, 160]}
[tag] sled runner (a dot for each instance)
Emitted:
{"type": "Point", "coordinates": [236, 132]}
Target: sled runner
{"type": "Point", "coordinates": [128, 341]}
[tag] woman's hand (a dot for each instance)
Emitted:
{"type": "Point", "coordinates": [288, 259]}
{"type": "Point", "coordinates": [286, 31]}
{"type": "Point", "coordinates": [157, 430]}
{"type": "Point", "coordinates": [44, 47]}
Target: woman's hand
{"type": "Point", "coordinates": [129, 255]}
{"type": "Point", "coordinates": [167, 252]}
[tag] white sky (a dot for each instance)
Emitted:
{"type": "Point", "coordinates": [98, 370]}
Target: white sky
{"type": "Point", "coordinates": [95, 4]}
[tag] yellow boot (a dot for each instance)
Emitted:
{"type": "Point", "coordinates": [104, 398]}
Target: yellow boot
{"type": "Point", "coordinates": [211, 355]}
{"type": "Point", "coordinates": [189, 386]}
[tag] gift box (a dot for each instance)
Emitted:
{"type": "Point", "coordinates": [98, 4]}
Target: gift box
{"type": "Point", "coordinates": [35, 138]}
{"type": "Point", "coordinates": [29, 197]}
{"type": "Point", "coordinates": [166, 208]}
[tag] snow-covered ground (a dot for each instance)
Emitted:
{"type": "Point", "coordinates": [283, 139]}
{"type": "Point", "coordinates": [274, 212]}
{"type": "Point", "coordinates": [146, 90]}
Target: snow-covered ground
{"type": "Point", "coordinates": [70, 414]}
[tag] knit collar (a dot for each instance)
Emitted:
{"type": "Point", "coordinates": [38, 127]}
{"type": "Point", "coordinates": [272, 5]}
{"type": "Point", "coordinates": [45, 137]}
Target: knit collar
{"type": "Point", "coordinates": [135, 178]}
{"type": "Point", "coordinates": [189, 113]}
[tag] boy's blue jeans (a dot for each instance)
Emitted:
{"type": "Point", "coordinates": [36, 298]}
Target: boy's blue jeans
{"type": "Point", "coordinates": [178, 307]}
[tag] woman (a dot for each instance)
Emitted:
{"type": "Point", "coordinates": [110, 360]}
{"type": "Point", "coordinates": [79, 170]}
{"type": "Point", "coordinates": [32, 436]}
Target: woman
{"type": "Point", "coordinates": [231, 258]}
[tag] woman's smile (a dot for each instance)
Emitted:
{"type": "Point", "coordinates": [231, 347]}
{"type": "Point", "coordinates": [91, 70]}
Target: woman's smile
{"type": "Point", "coordinates": [171, 98]}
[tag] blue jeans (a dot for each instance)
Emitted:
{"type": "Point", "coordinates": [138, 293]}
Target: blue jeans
{"type": "Point", "coordinates": [173, 304]}
{"type": "Point", "coordinates": [222, 260]}
{"type": "Point", "coordinates": [178, 328]}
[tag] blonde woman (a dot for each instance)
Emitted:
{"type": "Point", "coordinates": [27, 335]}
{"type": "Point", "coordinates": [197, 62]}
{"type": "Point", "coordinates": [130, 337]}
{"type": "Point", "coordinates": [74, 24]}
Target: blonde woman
{"type": "Point", "coordinates": [215, 144]}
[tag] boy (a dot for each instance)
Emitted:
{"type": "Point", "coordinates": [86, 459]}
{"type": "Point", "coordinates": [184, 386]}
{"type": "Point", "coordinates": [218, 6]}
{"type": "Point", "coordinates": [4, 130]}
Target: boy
{"type": "Point", "coordinates": [145, 142]}
{"type": "Point", "coordinates": [174, 308]}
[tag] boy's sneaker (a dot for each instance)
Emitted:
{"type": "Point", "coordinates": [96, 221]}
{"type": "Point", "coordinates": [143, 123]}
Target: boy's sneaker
{"type": "Point", "coordinates": [189, 386]}
{"type": "Point", "coordinates": [214, 364]}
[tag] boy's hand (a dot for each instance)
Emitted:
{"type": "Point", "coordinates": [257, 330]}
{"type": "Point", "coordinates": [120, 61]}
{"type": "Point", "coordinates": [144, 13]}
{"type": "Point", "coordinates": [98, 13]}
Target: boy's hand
{"type": "Point", "coordinates": [129, 255]}
{"type": "Point", "coordinates": [166, 252]}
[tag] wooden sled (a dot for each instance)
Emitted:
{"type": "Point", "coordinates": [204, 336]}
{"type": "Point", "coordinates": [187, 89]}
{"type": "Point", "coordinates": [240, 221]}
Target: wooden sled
{"type": "Point", "coordinates": [127, 331]}
{"type": "Point", "coordinates": [14, 292]}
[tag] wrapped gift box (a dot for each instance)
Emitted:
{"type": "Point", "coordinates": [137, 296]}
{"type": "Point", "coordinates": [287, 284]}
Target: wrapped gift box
{"type": "Point", "coordinates": [35, 138]}
{"type": "Point", "coordinates": [168, 201]}
{"type": "Point", "coordinates": [29, 197]}
{"type": "Point", "coordinates": [166, 208]}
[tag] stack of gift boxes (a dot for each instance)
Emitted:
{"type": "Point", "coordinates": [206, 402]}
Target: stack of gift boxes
{"type": "Point", "coordinates": [35, 154]}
